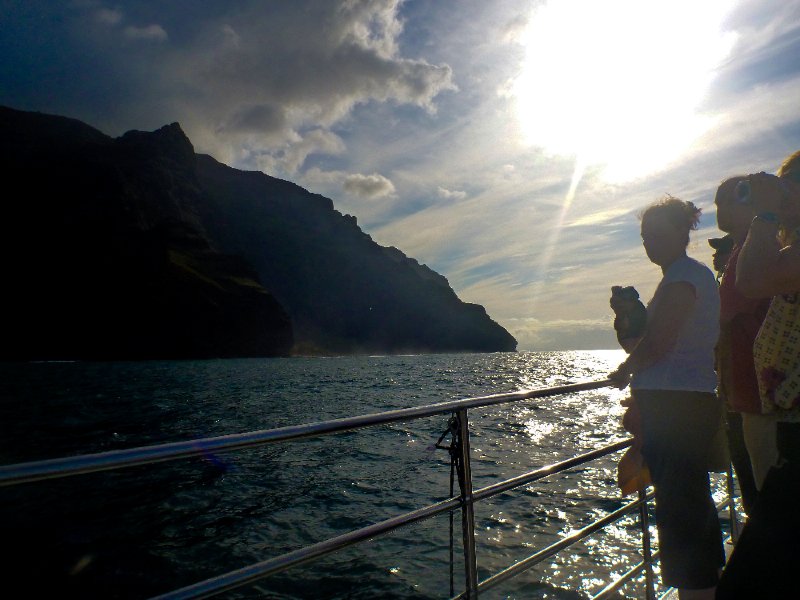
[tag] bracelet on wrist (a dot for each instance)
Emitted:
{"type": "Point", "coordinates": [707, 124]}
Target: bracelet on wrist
{"type": "Point", "coordinates": [767, 217]}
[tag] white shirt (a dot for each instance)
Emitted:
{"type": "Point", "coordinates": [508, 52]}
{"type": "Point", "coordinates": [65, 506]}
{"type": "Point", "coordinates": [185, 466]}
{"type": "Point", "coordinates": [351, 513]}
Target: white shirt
{"type": "Point", "coordinates": [689, 366]}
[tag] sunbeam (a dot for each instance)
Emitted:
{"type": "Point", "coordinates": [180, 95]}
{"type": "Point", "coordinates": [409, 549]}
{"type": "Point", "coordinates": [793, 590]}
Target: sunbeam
{"type": "Point", "coordinates": [552, 241]}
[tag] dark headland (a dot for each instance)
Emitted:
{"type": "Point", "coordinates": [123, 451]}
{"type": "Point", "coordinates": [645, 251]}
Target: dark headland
{"type": "Point", "coordinates": [138, 248]}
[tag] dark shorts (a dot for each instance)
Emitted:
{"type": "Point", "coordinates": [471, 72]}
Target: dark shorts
{"type": "Point", "coordinates": [766, 560]}
{"type": "Point", "coordinates": [678, 428]}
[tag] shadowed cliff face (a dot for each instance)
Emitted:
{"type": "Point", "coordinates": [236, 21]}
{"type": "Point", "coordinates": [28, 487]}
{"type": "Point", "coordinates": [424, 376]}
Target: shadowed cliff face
{"type": "Point", "coordinates": [345, 292]}
{"type": "Point", "coordinates": [137, 248]}
{"type": "Point", "coordinates": [103, 257]}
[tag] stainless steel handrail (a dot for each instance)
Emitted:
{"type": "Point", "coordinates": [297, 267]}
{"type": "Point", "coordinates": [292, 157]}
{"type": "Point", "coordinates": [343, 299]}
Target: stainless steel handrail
{"type": "Point", "coordinates": [514, 482]}
{"type": "Point", "coordinates": [63, 467]}
{"type": "Point", "coordinates": [116, 459]}
{"type": "Point", "coordinates": [234, 579]}
{"type": "Point", "coordinates": [565, 542]}
{"type": "Point", "coordinates": [614, 586]}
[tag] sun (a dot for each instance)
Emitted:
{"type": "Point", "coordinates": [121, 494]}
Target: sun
{"type": "Point", "coordinates": [618, 83]}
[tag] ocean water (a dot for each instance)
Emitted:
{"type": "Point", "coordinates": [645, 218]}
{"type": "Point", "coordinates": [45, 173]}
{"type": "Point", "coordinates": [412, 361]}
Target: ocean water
{"type": "Point", "coordinates": [141, 531]}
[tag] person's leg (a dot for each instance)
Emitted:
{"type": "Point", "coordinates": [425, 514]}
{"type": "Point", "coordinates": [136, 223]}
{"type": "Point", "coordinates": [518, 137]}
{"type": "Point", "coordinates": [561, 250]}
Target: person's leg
{"type": "Point", "coordinates": [759, 438]}
{"type": "Point", "coordinates": [765, 560]}
{"type": "Point", "coordinates": [689, 534]}
{"type": "Point", "coordinates": [677, 429]}
{"type": "Point", "coordinates": [741, 459]}
{"type": "Point", "coordinates": [758, 567]}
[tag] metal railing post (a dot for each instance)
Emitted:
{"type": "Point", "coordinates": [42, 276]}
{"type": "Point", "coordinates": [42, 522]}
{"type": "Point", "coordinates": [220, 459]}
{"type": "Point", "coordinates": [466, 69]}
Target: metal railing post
{"type": "Point", "coordinates": [468, 509]}
{"type": "Point", "coordinates": [647, 557]}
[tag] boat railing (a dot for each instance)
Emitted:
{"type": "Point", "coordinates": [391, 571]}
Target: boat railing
{"type": "Point", "coordinates": [459, 448]}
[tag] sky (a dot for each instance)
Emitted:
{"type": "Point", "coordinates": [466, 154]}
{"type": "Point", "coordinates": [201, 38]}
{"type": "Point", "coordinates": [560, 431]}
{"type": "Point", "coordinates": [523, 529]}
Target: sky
{"type": "Point", "coordinates": [509, 145]}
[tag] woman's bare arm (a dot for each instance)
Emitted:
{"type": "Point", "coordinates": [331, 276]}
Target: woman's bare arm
{"type": "Point", "coordinates": [764, 268]}
{"type": "Point", "coordinates": [669, 316]}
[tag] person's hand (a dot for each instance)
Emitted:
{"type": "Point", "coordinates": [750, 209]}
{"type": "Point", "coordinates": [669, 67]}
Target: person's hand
{"type": "Point", "coordinates": [767, 193]}
{"type": "Point", "coordinates": [621, 377]}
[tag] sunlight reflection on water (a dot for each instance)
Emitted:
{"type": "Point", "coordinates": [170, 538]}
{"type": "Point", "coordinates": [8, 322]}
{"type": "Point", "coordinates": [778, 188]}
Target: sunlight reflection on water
{"type": "Point", "coordinates": [538, 430]}
{"type": "Point", "coordinates": [196, 520]}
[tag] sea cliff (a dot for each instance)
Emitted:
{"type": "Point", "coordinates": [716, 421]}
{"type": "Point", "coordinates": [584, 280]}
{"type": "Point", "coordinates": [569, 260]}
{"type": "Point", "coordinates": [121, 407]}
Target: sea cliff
{"type": "Point", "coordinates": [137, 247]}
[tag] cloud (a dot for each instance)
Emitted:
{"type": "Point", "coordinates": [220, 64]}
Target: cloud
{"type": "Point", "coordinates": [563, 334]}
{"type": "Point", "coordinates": [369, 186]}
{"type": "Point", "coordinates": [261, 118]}
{"type": "Point", "coordinates": [250, 82]}
{"type": "Point", "coordinates": [291, 154]}
{"type": "Point", "coordinates": [113, 17]}
{"type": "Point", "coordinates": [450, 194]}
{"type": "Point", "coordinates": [150, 32]}
{"type": "Point", "coordinates": [515, 29]}
{"type": "Point", "coordinates": [495, 249]}
{"type": "Point", "coordinates": [599, 217]}
{"type": "Point", "coordinates": [265, 76]}
{"type": "Point", "coordinates": [397, 101]}
{"type": "Point", "coordinates": [108, 16]}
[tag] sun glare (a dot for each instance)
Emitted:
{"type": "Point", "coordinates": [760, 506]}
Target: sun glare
{"type": "Point", "coordinates": [619, 82]}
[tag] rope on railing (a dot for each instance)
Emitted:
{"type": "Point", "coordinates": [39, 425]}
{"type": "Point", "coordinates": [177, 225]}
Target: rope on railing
{"type": "Point", "coordinates": [452, 451]}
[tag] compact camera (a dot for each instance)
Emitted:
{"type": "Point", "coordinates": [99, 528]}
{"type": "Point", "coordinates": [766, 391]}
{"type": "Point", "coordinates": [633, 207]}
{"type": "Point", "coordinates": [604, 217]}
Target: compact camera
{"type": "Point", "coordinates": [743, 190]}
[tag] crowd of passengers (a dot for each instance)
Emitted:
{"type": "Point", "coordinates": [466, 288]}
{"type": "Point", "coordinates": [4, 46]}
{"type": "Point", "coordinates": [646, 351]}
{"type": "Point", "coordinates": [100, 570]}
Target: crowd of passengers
{"type": "Point", "coordinates": [723, 349]}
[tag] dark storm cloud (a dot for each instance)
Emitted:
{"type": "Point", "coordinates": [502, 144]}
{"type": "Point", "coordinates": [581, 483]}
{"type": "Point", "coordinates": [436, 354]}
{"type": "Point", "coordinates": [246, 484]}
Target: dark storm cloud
{"type": "Point", "coordinates": [263, 118]}
{"type": "Point", "coordinates": [245, 79]}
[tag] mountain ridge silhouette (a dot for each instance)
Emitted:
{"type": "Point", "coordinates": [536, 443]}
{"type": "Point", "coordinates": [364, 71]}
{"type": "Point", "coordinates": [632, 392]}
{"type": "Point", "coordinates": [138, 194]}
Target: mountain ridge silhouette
{"type": "Point", "coordinates": [137, 247]}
